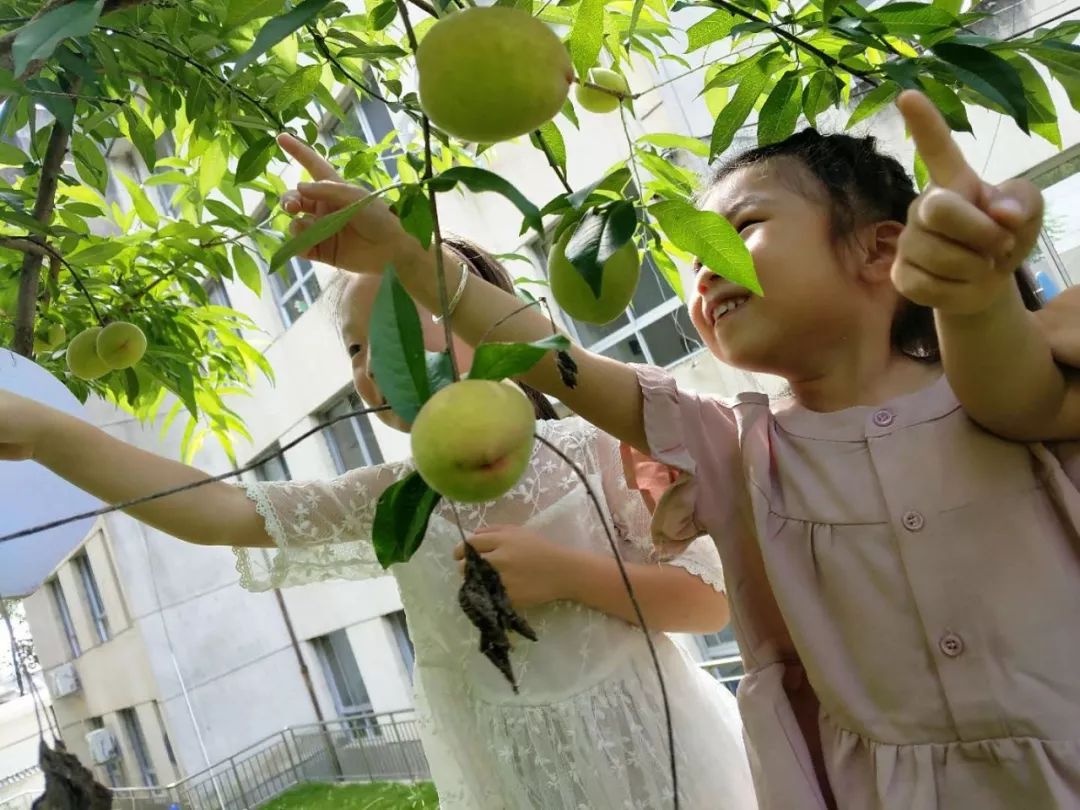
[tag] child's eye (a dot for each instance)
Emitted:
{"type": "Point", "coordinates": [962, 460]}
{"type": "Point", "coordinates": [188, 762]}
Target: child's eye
{"type": "Point", "coordinates": [746, 224]}
{"type": "Point", "coordinates": [354, 349]}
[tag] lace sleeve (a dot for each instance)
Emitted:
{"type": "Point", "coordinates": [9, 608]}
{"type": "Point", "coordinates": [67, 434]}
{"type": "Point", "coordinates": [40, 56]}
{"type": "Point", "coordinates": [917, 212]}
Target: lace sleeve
{"type": "Point", "coordinates": [321, 529]}
{"type": "Point", "coordinates": [632, 516]}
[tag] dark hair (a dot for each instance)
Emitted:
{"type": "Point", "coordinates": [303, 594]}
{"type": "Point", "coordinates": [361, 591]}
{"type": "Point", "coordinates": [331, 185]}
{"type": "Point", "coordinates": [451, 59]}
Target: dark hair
{"type": "Point", "coordinates": [491, 270]}
{"type": "Point", "coordinates": [859, 184]}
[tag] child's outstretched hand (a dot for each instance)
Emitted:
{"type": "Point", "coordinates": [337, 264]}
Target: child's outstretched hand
{"type": "Point", "coordinates": [964, 237]}
{"type": "Point", "coordinates": [372, 238]}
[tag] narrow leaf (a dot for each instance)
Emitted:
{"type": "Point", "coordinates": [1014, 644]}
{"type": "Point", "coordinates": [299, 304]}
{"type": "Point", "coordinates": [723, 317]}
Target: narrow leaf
{"type": "Point", "coordinates": [247, 269]}
{"type": "Point", "coordinates": [440, 371]}
{"type": "Point", "coordinates": [704, 32]}
{"type": "Point", "coordinates": [398, 358]}
{"type": "Point", "coordinates": [948, 103]}
{"type": "Point", "coordinates": [480, 180]}
{"type": "Point", "coordinates": [139, 201]}
{"type": "Point", "coordinates": [736, 111]}
{"type": "Point", "coordinates": [255, 160]}
{"type": "Point", "coordinates": [781, 110]}
{"type": "Point", "coordinates": [11, 155]}
{"type": "Point", "coordinates": [212, 167]}
{"type": "Point", "coordinates": [873, 102]}
{"type": "Point", "coordinates": [989, 74]}
{"type": "Point", "coordinates": [277, 29]}
{"type": "Point", "coordinates": [601, 232]}
{"type": "Point", "coordinates": [586, 35]}
{"type": "Point", "coordinates": [821, 93]}
{"type": "Point", "coordinates": [300, 86]}
{"type": "Point", "coordinates": [401, 519]}
{"type": "Point", "coordinates": [497, 361]}
{"type": "Point", "coordinates": [142, 137]}
{"type": "Point", "coordinates": [320, 230]}
{"type": "Point", "coordinates": [709, 237]}
{"type": "Point", "coordinates": [39, 38]}
{"type": "Point", "coordinates": [551, 138]}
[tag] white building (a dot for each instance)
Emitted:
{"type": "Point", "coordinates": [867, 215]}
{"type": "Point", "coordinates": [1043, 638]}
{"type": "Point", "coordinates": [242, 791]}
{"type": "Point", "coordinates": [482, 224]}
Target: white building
{"type": "Point", "coordinates": [184, 666]}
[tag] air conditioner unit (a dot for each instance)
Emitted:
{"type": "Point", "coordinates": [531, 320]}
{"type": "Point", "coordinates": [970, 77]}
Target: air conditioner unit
{"type": "Point", "coordinates": [103, 746]}
{"type": "Point", "coordinates": [64, 680]}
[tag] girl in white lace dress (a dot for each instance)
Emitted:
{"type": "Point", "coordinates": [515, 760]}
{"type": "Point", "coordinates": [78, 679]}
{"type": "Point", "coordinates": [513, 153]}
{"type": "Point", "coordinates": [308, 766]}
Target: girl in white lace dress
{"type": "Point", "coordinates": [587, 729]}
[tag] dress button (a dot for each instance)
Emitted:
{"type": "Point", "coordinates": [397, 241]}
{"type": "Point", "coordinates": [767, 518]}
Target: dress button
{"type": "Point", "coordinates": [883, 418]}
{"type": "Point", "coordinates": [951, 644]}
{"type": "Point", "coordinates": [913, 521]}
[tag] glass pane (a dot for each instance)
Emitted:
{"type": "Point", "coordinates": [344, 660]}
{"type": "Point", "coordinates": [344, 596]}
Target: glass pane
{"type": "Point", "coordinates": [671, 338]}
{"type": "Point", "coordinates": [589, 333]}
{"type": "Point", "coordinates": [378, 118]}
{"type": "Point", "coordinates": [311, 287]}
{"type": "Point", "coordinates": [293, 308]}
{"type": "Point", "coordinates": [350, 684]}
{"type": "Point", "coordinates": [273, 468]}
{"type": "Point", "coordinates": [1062, 219]}
{"type": "Point", "coordinates": [652, 289]}
{"type": "Point", "coordinates": [352, 440]}
{"type": "Point", "coordinates": [627, 351]}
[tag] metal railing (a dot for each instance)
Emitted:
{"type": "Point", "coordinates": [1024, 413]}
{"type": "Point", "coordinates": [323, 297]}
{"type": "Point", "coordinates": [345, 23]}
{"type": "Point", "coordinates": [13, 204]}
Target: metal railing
{"type": "Point", "coordinates": [369, 748]}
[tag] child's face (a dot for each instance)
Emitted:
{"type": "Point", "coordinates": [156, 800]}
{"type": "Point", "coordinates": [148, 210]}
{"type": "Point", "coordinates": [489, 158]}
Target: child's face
{"type": "Point", "coordinates": [807, 307]}
{"type": "Point", "coordinates": [357, 302]}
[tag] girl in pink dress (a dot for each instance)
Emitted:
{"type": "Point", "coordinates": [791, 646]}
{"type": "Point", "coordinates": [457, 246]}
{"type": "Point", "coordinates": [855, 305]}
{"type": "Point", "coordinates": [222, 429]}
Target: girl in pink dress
{"type": "Point", "coordinates": [904, 585]}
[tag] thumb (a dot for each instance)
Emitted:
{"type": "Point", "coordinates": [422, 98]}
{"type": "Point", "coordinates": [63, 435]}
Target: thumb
{"type": "Point", "coordinates": [1017, 205]}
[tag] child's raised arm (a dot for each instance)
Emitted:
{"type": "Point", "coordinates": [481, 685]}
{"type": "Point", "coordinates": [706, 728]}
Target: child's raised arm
{"type": "Point", "coordinates": [963, 240]}
{"type": "Point", "coordinates": [114, 471]}
{"type": "Point", "coordinates": [607, 392]}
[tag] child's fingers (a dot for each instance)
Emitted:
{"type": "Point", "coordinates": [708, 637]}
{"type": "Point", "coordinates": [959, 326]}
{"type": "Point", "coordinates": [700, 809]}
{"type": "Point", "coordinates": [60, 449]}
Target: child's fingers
{"type": "Point", "coordinates": [948, 214]}
{"type": "Point", "coordinates": [942, 258]}
{"type": "Point", "coordinates": [334, 194]}
{"type": "Point", "coordinates": [920, 286]}
{"type": "Point", "coordinates": [315, 164]}
{"type": "Point", "coordinates": [1017, 205]}
{"type": "Point", "coordinates": [933, 139]}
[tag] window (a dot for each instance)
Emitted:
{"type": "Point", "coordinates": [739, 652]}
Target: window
{"type": "Point", "coordinates": [352, 441]}
{"type": "Point", "coordinates": [217, 294]}
{"type": "Point", "coordinates": [656, 329]}
{"type": "Point", "coordinates": [401, 635]}
{"type": "Point", "coordinates": [345, 682]}
{"type": "Point", "coordinates": [273, 467]}
{"type": "Point", "coordinates": [114, 768]}
{"type": "Point", "coordinates": [1056, 259]}
{"type": "Point", "coordinates": [137, 742]}
{"type": "Point", "coordinates": [93, 596]}
{"type": "Point", "coordinates": [368, 119]}
{"type": "Point", "coordinates": [62, 610]}
{"type": "Point", "coordinates": [165, 735]}
{"type": "Point", "coordinates": [296, 288]}
{"type": "Point", "coordinates": [721, 647]}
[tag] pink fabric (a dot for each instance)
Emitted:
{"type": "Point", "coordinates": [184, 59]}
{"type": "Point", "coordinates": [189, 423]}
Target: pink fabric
{"type": "Point", "coordinates": [923, 574]}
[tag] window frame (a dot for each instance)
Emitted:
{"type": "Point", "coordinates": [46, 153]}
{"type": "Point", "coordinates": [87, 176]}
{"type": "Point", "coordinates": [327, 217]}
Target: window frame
{"type": "Point", "coordinates": [95, 602]}
{"type": "Point", "coordinates": [371, 459]}
{"type": "Point", "coordinates": [136, 739]}
{"type": "Point", "coordinates": [329, 649]}
{"type": "Point", "coordinates": [285, 295]}
{"type": "Point", "coordinates": [63, 610]}
{"type": "Point", "coordinates": [399, 628]}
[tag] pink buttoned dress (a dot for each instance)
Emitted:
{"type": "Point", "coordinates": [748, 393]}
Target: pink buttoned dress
{"type": "Point", "coordinates": [905, 590]}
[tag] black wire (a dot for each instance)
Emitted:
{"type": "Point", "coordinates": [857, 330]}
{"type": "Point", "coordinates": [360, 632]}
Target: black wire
{"type": "Point", "coordinates": [186, 487]}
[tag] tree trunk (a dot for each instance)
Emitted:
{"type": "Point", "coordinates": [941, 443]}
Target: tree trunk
{"type": "Point", "coordinates": [30, 275]}
{"type": "Point", "coordinates": [15, 662]}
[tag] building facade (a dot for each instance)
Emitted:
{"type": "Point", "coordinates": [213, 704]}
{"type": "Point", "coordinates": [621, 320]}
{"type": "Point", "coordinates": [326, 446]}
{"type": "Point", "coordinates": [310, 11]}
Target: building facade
{"type": "Point", "coordinates": [154, 640]}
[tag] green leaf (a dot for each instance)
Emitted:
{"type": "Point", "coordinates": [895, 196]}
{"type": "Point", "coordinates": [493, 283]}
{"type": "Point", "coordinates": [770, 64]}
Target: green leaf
{"type": "Point", "coordinates": [139, 201]}
{"type": "Point", "coordinates": [781, 110]}
{"type": "Point", "coordinates": [709, 237]}
{"type": "Point", "coordinates": [244, 11]}
{"type": "Point", "coordinates": [635, 14]}
{"type": "Point", "coordinates": [247, 269]}
{"type": "Point", "coordinates": [277, 29]}
{"type": "Point", "coordinates": [669, 271]}
{"type": "Point", "coordinates": [321, 229]}
{"type": "Point", "coordinates": [668, 140]}
{"type": "Point", "coordinates": [480, 180]}
{"type": "Point", "coordinates": [601, 232]}
{"type": "Point", "coordinates": [131, 385]}
{"type": "Point", "coordinates": [989, 74]}
{"type": "Point", "coordinates": [212, 167]}
{"type": "Point", "coordinates": [586, 36]}
{"type": "Point", "coordinates": [954, 7]}
{"type": "Point", "coordinates": [922, 173]}
{"type": "Point", "coordinates": [255, 160]}
{"type": "Point", "coordinates": [383, 14]}
{"type": "Point", "coordinates": [704, 32]}
{"type": "Point", "coordinates": [300, 86]}
{"type": "Point", "coordinates": [89, 162]}
{"type": "Point", "coordinates": [142, 137]}
{"type": "Point", "coordinates": [736, 111]}
{"type": "Point", "coordinates": [820, 93]}
{"type": "Point", "coordinates": [614, 182]}
{"type": "Point", "coordinates": [97, 253]}
{"type": "Point", "coordinates": [914, 19]}
{"type": "Point", "coordinates": [39, 38]}
{"type": "Point", "coordinates": [11, 155]}
{"type": "Point", "coordinates": [948, 103]}
{"type": "Point", "coordinates": [401, 519]}
{"type": "Point", "coordinates": [1041, 111]}
{"type": "Point", "coordinates": [553, 139]}
{"type": "Point", "coordinates": [414, 212]}
{"type": "Point", "coordinates": [398, 358]}
{"type": "Point", "coordinates": [440, 371]}
{"type": "Point", "coordinates": [873, 102]}
{"type": "Point", "coordinates": [498, 361]}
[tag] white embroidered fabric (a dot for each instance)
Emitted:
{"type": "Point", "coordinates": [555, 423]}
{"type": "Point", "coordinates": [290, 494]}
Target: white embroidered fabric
{"type": "Point", "coordinates": [587, 729]}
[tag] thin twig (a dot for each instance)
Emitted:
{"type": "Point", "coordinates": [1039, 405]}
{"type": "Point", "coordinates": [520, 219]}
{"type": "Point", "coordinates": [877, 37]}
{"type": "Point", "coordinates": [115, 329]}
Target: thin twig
{"type": "Point", "coordinates": [426, 7]}
{"type": "Point", "coordinates": [324, 50]}
{"type": "Point", "coordinates": [43, 249]}
{"type": "Point", "coordinates": [436, 231]}
{"type": "Point", "coordinates": [189, 486]}
{"type": "Point", "coordinates": [633, 601]}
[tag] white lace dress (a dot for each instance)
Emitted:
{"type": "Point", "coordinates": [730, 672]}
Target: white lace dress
{"type": "Point", "coordinates": [586, 731]}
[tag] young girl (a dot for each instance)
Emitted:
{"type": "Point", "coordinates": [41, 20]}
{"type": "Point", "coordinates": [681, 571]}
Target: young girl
{"type": "Point", "coordinates": [903, 585]}
{"type": "Point", "coordinates": [588, 727]}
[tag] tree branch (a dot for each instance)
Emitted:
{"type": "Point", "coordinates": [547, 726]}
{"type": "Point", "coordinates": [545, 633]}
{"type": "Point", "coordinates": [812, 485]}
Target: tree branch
{"type": "Point", "coordinates": [795, 40]}
{"type": "Point", "coordinates": [56, 261]}
{"type": "Point", "coordinates": [30, 273]}
{"type": "Point", "coordinates": [552, 162]}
